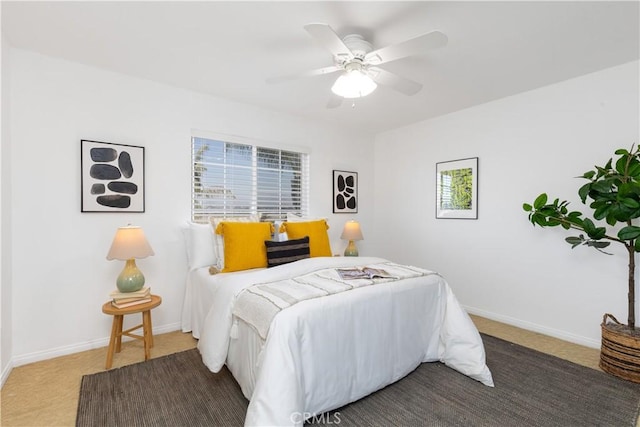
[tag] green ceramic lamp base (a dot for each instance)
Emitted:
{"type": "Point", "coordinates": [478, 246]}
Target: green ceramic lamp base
{"type": "Point", "coordinates": [351, 250]}
{"type": "Point", "coordinates": [130, 279]}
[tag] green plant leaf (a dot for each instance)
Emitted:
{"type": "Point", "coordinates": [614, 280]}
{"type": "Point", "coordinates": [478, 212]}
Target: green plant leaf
{"type": "Point", "coordinates": [621, 151]}
{"type": "Point", "coordinates": [527, 207]}
{"type": "Point", "coordinates": [583, 192]}
{"type": "Point", "coordinates": [604, 186]}
{"type": "Point", "coordinates": [602, 171]}
{"type": "Point", "coordinates": [538, 218]}
{"type": "Point", "coordinates": [548, 211]}
{"type": "Point", "coordinates": [629, 232]}
{"type": "Point", "coordinates": [553, 222]}
{"type": "Point", "coordinates": [627, 189]}
{"type": "Point", "coordinates": [622, 213]}
{"type": "Point", "coordinates": [621, 164]}
{"type": "Point", "coordinates": [574, 241]}
{"type": "Point", "coordinates": [601, 212]}
{"type": "Point", "coordinates": [589, 226]}
{"type": "Point", "coordinates": [634, 169]}
{"type": "Point", "coordinates": [598, 244]}
{"type": "Point", "coordinates": [540, 201]}
{"type": "Point", "coordinates": [588, 175]}
{"type": "Point", "coordinates": [599, 233]}
{"type": "Point", "coordinates": [632, 162]}
{"type": "Point", "coordinates": [576, 221]}
{"type": "Point", "coordinates": [592, 231]}
{"type": "Point", "coordinates": [630, 203]}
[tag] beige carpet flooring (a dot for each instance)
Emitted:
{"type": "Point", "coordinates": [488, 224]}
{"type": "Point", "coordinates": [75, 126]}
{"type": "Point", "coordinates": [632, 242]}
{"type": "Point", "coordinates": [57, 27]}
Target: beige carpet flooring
{"type": "Point", "coordinates": [46, 393]}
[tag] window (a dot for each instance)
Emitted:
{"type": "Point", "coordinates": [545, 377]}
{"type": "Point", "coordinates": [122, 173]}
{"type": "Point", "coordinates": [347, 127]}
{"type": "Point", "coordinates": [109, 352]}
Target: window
{"type": "Point", "coordinates": [233, 179]}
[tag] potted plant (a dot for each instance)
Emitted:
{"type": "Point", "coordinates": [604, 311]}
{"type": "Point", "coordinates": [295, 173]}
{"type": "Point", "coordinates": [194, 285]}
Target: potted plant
{"type": "Point", "coordinates": [613, 192]}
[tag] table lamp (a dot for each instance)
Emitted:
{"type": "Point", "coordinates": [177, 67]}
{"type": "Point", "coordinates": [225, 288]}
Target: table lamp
{"type": "Point", "coordinates": [128, 244]}
{"type": "Point", "coordinates": [351, 232]}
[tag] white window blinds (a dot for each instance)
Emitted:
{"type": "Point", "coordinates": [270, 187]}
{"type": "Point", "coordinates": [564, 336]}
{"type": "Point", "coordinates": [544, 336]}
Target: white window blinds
{"type": "Point", "coordinates": [232, 179]}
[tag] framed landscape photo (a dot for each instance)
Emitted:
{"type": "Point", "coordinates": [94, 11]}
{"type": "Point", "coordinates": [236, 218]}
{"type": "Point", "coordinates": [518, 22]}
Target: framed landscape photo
{"type": "Point", "coordinates": [457, 189]}
{"type": "Point", "coordinates": [112, 177]}
{"type": "Point", "coordinates": [345, 192]}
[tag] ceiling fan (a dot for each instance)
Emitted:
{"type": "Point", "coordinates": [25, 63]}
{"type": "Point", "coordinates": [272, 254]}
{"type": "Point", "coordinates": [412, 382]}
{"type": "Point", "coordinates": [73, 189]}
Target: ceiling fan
{"type": "Point", "coordinates": [355, 58]}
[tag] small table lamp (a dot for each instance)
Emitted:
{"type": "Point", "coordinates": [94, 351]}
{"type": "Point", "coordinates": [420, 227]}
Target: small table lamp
{"type": "Point", "coordinates": [129, 243]}
{"type": "Point", "coordinates": [351, 232]}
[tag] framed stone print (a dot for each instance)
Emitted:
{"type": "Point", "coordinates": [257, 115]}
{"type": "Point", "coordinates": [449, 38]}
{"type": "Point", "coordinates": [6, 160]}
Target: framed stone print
{"type": "Point", "coordinates": [112, 177]}
{"type": "Point", "coordinates": [345, 192]}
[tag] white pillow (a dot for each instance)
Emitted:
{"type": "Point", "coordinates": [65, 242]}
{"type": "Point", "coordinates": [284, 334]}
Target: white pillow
{"type": "Point", "coordinates": [277, 236]}
{"type": "Point", "coordinates": [199, 239]}
{"type": "Point", "coordinates": [291, 217]}
{"type": "Point", "coordinates": [219, 240]}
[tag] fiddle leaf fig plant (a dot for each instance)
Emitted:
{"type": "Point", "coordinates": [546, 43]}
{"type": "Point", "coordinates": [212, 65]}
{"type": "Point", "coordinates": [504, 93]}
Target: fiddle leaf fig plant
{"type": "Point", "coordinates": [613, 193]}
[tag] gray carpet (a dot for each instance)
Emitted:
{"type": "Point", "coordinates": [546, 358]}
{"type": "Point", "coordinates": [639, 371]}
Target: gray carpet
{"type": "Point", "coordinates": [532, 389]}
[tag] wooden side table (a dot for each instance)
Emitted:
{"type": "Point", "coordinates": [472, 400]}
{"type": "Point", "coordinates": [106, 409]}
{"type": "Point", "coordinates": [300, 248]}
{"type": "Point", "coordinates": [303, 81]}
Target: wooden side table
{"type": "Point", "coordinates": [115, 343]}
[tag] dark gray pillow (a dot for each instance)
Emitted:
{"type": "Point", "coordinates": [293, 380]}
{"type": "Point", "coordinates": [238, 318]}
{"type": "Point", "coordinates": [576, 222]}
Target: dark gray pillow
{"type": "Point", "coordinates": [279, 253]}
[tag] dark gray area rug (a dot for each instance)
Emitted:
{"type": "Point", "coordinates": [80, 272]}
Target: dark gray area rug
{"type": "Point", "coordinates": [532, 389]}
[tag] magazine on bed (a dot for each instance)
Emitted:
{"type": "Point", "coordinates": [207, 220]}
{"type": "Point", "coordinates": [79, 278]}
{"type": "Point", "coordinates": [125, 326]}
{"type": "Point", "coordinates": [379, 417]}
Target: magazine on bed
{"type": "Point", "coordinates": [364, 273]}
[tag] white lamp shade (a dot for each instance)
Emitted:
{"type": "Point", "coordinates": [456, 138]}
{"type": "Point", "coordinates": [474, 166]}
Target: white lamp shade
{"type": "Point", "coordinates": [353, 84]}
{"type": "Point", "coordinates": [129, 242]}
{"type": "Point", "coordinates": [351, 231]}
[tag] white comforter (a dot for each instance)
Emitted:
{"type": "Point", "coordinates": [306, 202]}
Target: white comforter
{"type": "Point", "coordinates": [325, 352]}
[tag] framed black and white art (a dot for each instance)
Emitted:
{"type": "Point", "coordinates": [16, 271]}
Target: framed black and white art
{"type": "Point", "coordinates": [112, 177]}
{"type": "Point", "coordinates": [345, 192]}
{"type": "Point", "coordinates": [457, 189]}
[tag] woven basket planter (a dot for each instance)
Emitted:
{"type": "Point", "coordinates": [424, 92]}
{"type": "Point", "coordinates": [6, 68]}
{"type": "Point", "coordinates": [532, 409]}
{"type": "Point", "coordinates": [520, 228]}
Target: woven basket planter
{"type": "Point", "coordinates": [620, 351]}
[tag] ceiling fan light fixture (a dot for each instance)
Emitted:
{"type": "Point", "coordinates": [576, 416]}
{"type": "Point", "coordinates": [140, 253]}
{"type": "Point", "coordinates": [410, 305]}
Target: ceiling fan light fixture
{"type": "Point", "coordinates": [353, 84]}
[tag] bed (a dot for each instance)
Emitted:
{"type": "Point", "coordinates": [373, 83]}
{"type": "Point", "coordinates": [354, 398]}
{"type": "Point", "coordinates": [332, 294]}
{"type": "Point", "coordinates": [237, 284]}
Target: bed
{"type": "Point", "coordinates": [322, 352]}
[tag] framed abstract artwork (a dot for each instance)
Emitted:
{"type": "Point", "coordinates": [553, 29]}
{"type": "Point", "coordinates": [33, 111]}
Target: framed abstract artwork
{"type": "Point", "coordinates": [112, 177]}
{"type": "Point", "coordinates": [345, 192]}
{"type": "Point", "coordinates": [457, 189]}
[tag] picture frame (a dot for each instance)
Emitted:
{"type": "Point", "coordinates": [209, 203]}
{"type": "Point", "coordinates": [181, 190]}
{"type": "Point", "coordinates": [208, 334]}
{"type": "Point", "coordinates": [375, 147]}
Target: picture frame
{"type": "Point", "coordinates": [457, 189]}
{"type": "Point", "coordinates": [345, 192]}
{"type": "Point", "coordinates": [112, 177]}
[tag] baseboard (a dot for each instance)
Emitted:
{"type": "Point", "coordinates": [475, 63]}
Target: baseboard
{"type": "Point", "coordinates": [103, 342]}
{"type": "Point", "coordinates": [5, 373]}
{"type": "Point", "coordinates": [556, 333]}
{"type": "Point", "coordinates": [77, 348]}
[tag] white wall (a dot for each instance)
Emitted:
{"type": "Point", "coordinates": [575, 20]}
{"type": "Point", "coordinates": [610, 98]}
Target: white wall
{"type": "Point", "coordinates": [61, 277]}
{"type": "Point", "coordinates": [5, 222]}
{"type": "Point", "coordinates": [499, 265]}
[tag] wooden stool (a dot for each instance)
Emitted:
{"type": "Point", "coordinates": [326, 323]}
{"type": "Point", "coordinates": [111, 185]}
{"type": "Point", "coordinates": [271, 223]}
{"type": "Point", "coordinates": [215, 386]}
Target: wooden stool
{"type": "Point", "coordinates": [115, 343]}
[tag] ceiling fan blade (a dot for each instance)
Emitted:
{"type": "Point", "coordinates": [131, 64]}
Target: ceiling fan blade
{"type": "Point", "coordinates": [415, 46]}
{"type": "Point", "coordinates": [335, 101]}
{"type": "Point", "coordinates": [394, 81]}
{"type": "Point", "coordinates": [330, 40]}
{"type": "Point", "coordinates": [311, 73]}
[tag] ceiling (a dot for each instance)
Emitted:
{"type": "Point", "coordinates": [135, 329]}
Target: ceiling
{"type": "Point", "coordinates": [229, 49]}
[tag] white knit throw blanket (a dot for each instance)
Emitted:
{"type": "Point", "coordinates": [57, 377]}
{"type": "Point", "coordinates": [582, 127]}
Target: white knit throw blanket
{"type": "Point", "coordinates": [258, 304]}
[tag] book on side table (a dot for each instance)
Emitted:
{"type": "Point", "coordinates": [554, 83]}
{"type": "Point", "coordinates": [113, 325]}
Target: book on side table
{"type": "Point", "coordinates": [128, 299]}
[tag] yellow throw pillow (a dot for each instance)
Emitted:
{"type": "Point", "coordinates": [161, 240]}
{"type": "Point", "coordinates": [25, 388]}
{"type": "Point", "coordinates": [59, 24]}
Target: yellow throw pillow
{"type": "Point", "coordinates": [244, 244]}
{"type": "Point", "coordinates": [317, 232]}
{"type": "Point", "coordinates": [218, 239]}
